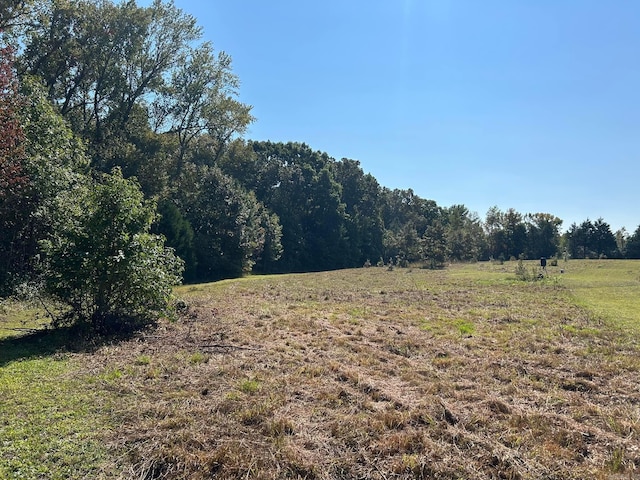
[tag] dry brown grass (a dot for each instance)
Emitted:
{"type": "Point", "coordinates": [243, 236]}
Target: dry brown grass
{"type": "Point", "coordinates": [374, 374]}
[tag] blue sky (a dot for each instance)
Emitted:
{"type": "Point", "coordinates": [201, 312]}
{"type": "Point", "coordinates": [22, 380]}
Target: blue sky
{"type": "Point", "coordinates": [525, 104]}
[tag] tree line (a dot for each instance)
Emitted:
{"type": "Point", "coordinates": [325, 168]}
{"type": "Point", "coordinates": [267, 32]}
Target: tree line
{"type": "Point", "coordinates": [123, 169]}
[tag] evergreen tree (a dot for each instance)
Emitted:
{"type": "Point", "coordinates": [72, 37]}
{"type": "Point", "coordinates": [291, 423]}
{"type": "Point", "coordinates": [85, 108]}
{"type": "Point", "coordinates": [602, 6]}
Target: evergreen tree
{"type": "Point", "coordinates": [463, 233]}
{"type": "Point", "coordinates": [633, 245]}
{"type": "Point", "coordinates": [604, 241]}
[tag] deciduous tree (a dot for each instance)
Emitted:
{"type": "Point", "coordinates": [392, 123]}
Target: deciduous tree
{"type": "Point", "coordinates": [14, 13]}
{"type": "Point", "coordinates": [14, 181]}
{"type": "Point", "coordinates": [362, 197]}
{"type": "Point", "coordinates": [232, 230]}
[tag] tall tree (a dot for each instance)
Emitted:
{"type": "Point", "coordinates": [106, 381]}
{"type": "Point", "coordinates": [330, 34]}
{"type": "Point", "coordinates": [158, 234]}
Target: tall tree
{"type": "Point", "coordinates": [115, 70]}
{"type": "Point", "coordinates": [543, 234]}
{"type": "Point", "coordinates": [633, 245]}
{"type": "Point", "coordinates": [405, 207]}
{"type": "Point", "coordinates": [496, 237]}
{"type": "Point", "coordinates": [232, 231]}
{"type": "Point", "coordinates": [604, 241]}
{"type": "Point", "coordinates": [591, 240]}
{"type": "Point", "coordinates": [580, 240]}
{"type": "Point", "coordinates": [46, 160]}
{"type": "Point", "coordinates": [407, 219]}
{"type": "Point", "coordinates": [463, 233]}
{"type": "Point", "coordinates": [325, 222]}
{"type": "Point", "coordinates": [299, 186]}
{"type": "Point", "coordinates": [515, 233]}
{"type": "Point", "coordinates": [200, 98]}
{"type": "Point", "coordinates": [622, 236]}
{"type": "Point", "coordinates": [14, 181]}
{"type": "Point", "coordinates": [361, 196]}
{"type": "Point", "coordinates": [434, 245]}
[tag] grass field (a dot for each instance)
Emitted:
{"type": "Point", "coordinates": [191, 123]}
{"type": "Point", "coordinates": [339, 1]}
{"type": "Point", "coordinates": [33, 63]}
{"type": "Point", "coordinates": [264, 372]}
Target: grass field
{"type": "Point", "coordinates": [369, 373]}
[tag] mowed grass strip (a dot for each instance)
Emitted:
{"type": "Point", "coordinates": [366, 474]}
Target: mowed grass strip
{"type": "Point", "coordinates": [48, 425]}
{"type": "Point", "coordinates": [609, 288]}
{"type": "Point", "coordinates": [51, 424]}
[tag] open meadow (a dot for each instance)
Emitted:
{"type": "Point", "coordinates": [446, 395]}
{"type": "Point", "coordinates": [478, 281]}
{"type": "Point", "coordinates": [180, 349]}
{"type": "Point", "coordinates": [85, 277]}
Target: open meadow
{"type": "Point", "coordinates": [461, 373]}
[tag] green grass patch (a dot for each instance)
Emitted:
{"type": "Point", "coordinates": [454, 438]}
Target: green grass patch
{"type": "Point", "coordinates": [249, 386]}
{"type": "Point", "coordinates": [48, 421]}
{"type": "Point", "coordinates": [142, 360]}
{"type": "Point", "coordinates": [465, 327]}
{"type": "Point", "coordinates": [197, 358]}
{"type": "Point", "coordinates": [51, 420]}
{"type": "Point", "coordinates": [608, 288]}
{"type": "Point", "coordinates": [18, 318]}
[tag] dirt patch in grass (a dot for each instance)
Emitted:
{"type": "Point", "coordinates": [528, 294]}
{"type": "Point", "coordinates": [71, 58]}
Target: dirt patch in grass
{"type": "Point", "coordinates": [374, 374]}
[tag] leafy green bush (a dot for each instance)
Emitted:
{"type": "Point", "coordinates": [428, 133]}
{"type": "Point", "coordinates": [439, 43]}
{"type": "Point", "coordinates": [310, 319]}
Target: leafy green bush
{"type": "Point", "coordinates": [105, 265]}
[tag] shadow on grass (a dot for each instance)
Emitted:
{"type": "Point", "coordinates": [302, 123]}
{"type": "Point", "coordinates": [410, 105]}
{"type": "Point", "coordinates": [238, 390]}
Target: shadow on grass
{"type": "Point", "coordinates": [54, 341]}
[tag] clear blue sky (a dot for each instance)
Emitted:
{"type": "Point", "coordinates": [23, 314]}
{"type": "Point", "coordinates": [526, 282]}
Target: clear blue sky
{"type": "Point", "coordinates": [529, 104]}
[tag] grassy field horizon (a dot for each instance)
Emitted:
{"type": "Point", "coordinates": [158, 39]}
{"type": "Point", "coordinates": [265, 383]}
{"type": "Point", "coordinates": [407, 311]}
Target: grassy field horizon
{"type": "Point", "coordinates": [465, 372]}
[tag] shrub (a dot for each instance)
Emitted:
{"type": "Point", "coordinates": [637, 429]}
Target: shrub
{"type": "Point", "coordinates": [525, 274]}
{"type": "Point", "coordinates": [105, 265]}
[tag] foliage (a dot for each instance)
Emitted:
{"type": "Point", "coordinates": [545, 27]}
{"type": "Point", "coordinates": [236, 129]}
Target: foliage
{"type": "Point", "coordinates": [526, 273]}
{"type": "Point", "coordinates": [106, 65]}
{"type": "Point", "coordinates": [434, 246]}
{"type": "Point", "coordinates": [199, 99]}
{"type": "Point", "coordinates": [591, 240]}
{"type": "Point", "coordinates": [46, 160]}
{"type": "Point", "coordinates": [632, 249]}
{"type": "Point", "coordinates": [362, 198]}
{"type": "Point", "coordinates": [543, 235]}
{"type": "Point", "coordinates": [13, 15]}
{"type": "Point", "coordinates": [506, 233]}
{"type": "Point", "coordinates": [13, 180]}
{"type": "Point", "coordinates": [179, 234]}
{"type": "Point", "coordinates": [407, 217]}
{"type": "Point", "coordinates": [105, 264]}
{"type": "Point", "coordinates": [232, 231]}
{"type": "Point", "coordinates": [463, 232]}
{"type": "Point", "coordinates": [299, 185]}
